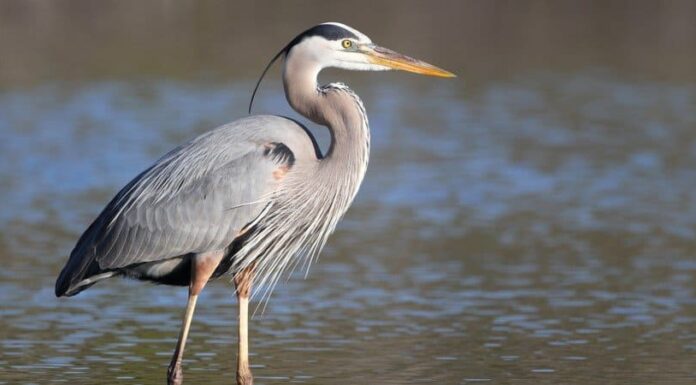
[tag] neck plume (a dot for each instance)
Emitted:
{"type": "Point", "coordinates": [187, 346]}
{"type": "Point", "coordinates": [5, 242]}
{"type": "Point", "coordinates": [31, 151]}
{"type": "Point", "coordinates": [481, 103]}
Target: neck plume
{"type": "Point", "coordinates": [314, 197]}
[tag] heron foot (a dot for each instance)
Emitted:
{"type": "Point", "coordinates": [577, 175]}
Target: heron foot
{"type": "Point", "coordinates": [175, 374]}
{"type": "Point", "coordinates": [244, 377]}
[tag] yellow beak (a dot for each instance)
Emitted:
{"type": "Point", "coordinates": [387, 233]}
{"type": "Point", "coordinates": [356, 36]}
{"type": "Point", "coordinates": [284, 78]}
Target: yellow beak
{"type": "Point", "coordinates": [388, 58]}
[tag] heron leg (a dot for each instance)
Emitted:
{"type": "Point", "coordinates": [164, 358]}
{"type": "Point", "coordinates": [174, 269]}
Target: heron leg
{"type": "Point", "coordinates": [175, 375]}
{"type": "Point", "coordinates": [202, 268]}
{"type": "Point", "coordinates": [242, 281]}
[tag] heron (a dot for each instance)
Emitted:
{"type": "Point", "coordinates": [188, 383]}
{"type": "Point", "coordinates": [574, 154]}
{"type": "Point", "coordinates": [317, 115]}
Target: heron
{"type": "Point", "coordinates": [248, 199]}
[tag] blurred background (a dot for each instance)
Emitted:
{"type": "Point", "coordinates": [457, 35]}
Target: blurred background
{"type": "Point", "coordinates": [531, 221]}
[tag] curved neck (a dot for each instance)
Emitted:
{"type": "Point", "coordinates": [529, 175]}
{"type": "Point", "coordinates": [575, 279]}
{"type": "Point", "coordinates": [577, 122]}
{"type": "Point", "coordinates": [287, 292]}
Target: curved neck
{"type": "Point", "coordinates": [334, 106]}
{"type": "Point", "coordinates": [301, 89]}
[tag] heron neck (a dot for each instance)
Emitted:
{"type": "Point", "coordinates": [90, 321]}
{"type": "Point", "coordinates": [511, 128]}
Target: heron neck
{"type": "Point", "coordinates": [334, 106]}
{"type": "Point", "coordinates": [339, 109]}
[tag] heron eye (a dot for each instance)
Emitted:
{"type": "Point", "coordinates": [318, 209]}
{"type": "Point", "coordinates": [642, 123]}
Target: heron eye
{"type": "Point", "coordinates": [347, 43]}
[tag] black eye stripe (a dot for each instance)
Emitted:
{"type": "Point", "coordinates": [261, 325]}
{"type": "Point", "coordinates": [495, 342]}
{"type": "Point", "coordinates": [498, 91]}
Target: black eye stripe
{"type": "Point", "coordinates": [327, 31]}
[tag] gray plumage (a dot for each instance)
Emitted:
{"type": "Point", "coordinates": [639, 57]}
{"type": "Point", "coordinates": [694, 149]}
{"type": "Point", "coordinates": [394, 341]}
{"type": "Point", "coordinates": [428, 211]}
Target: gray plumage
{"type": "Point", "coordinates": [195, 199]}
{"type": "Point", "coordinates": [252, 198]}
{"type": "Point", "coordinates": [261, 173]}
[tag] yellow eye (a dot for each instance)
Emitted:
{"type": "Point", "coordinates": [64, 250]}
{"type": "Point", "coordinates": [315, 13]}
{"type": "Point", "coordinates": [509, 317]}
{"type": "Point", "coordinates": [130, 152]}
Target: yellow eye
{"type": "Point", "coordinates": [347, 43]}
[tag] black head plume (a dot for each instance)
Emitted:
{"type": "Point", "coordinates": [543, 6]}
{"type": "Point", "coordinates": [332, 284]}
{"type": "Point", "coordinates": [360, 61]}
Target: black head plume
{"type": "Point", "coordinates": [329, 31]}
{"type": "Point", "coordinates": [268, 66]}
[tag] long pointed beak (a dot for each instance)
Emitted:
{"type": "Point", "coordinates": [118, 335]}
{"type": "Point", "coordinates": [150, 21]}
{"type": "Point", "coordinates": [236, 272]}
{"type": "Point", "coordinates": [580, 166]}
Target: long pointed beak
{"type": "Point", "coordinates": [394, 60]}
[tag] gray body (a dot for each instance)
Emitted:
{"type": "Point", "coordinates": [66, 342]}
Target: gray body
{"type": "Point", "coordinates": [252, 198]}
{"type": "Point", "coordinates": [245, 183]}
{"type": "Point", "coordinates": [256, 188]}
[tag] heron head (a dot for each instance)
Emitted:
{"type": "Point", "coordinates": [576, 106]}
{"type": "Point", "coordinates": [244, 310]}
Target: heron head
{"type": "Point", "coordinates": [340, 46]}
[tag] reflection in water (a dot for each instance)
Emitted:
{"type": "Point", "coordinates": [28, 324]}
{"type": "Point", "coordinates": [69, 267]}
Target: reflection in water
{"type": "Point", "coordinates": [539, 229]}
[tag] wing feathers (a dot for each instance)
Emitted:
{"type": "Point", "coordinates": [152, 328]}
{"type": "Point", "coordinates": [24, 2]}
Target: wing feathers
{"type": "Point", "coordinates": [184, 204]}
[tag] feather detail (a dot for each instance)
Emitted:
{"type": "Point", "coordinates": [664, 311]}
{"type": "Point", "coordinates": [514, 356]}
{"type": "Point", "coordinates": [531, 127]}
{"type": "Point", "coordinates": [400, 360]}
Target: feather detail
{"type": "Point", "coordinates": [307, 207]}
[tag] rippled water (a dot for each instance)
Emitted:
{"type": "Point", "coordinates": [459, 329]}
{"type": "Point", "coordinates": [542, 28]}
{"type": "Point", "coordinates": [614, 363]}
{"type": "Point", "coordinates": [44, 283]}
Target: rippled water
{"type": "Point", "coordinates": [535, 230]}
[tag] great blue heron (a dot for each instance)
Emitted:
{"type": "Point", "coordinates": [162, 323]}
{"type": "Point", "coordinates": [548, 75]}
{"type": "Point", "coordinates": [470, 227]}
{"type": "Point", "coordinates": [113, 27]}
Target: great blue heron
{"type": "Point", "coordinates": [249, 198]}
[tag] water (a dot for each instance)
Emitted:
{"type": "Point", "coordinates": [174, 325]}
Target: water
{"type": "Point", "coordinates": [536, 228]}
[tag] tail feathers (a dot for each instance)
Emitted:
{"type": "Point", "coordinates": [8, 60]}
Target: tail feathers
{"type": "Point", "coordinates": [80, 272]}
{"type": "Point", "coordinates": [64, 287]}
{"type": "Point", "coordinates": [82, 269]}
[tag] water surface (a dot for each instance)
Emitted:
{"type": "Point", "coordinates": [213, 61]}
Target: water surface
{"type": "Point", "coordinates": [533, 228]}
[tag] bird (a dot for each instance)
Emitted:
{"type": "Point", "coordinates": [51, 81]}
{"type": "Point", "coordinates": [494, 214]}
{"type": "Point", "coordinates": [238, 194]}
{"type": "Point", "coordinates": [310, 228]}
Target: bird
{"type": "Point", "coordinates": [249, 199]}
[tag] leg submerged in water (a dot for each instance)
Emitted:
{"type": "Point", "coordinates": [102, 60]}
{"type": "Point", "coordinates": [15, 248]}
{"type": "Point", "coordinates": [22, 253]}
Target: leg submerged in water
{"type": "Point", "coordinates": [202, 268]}
{"type": "Point", "coordinates": [175, 375]}
{"type": "Point", "coordinates": [243, 282]}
